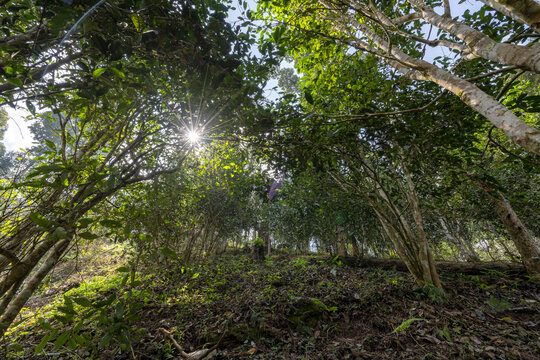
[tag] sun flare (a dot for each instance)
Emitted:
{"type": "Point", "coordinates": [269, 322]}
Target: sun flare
{"type": "Point", "coordinates": [193, 137]}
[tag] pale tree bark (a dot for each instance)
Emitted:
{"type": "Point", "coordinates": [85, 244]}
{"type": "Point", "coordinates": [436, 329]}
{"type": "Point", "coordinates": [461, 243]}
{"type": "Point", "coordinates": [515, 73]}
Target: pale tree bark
{"type": "Point", "coordinates": [341, 249]}
{"type": "Point", "coordinates": [524, 241]}
{"type": "Point", "coordinates": [524, 11]}
{"type": "Point", "coordinates": [501, 117]}
{"type": "Point", "coordinates": [363, 38]}
{"type": "Point", "coordinates": [526, 244]}
{"type": "Point", "coordinates": [481, 45]}
{"type": "Point", "coordinates": [426, 256]}
{"type": "Point", "coordinates": [355, 248]}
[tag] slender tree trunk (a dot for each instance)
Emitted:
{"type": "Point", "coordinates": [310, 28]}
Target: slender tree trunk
{"type": "Point", "coordinates": [341, 247]}
{"type": "Point", "coordinates": [457, 242]}
{"type": "Point", "coordinates": [20, 300]}
{"type": "Point", "coordinates": [355, 247]}
{"type": "Point", "coordinates": [524, 241]}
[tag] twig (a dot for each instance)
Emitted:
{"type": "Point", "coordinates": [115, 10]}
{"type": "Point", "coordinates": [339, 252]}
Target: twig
{"type": "Point", "coordinates": [196, 355]}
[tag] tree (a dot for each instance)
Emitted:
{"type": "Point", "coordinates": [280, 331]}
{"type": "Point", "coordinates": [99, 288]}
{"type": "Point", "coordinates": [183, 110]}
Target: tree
{"type": "Point", "coordinates": [394, 35]}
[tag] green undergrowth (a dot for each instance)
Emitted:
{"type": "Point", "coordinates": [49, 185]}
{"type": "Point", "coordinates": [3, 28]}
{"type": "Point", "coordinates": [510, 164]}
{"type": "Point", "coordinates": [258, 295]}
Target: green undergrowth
{"type": "Point", "coordinates": [284, 307]}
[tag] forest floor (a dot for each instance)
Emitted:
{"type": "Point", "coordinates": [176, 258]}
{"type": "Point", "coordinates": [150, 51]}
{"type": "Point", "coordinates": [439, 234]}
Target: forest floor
{"type": "Point", "coordinates": [285, 307]}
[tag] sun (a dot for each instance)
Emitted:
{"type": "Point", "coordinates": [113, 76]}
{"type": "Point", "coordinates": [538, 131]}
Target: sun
{"type": "Point", "coordinates": [193, 137]}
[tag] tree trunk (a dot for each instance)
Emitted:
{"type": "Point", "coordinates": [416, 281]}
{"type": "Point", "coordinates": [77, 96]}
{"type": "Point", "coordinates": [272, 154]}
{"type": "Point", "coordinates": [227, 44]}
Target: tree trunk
{"type": "Point", "coordinates": [20, 300]}
{"type": "Point", "coordinates": [524, 11]}
{"type": "Point", "coordinates": [426, 256]}
{"type": "Point", "coordinates": [457, 242]}
{"type": "Point", "coordinates": [355, 247]}
{"type": "Point", "coordinates": [341, 248]}
{"type": "Point", "coordinates": [481, 45]}
{"type": "Point", "coordinates": [524, 241]}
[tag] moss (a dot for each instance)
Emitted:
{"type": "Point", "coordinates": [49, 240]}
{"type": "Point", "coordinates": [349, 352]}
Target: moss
{"type": "Point", "coordinates": [305, 314]}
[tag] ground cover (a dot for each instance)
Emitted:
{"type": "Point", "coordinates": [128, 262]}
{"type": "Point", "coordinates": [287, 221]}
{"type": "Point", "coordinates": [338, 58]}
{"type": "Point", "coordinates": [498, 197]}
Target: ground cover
{"type": "Point", "coordinates": [288, 307]}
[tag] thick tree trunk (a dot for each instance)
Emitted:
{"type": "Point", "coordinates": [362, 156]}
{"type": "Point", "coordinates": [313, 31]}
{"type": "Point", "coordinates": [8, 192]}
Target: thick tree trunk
{"type": "Point", "coordinates": [426, 256]}
{"type": "Point", "coordinates": [524, 241]}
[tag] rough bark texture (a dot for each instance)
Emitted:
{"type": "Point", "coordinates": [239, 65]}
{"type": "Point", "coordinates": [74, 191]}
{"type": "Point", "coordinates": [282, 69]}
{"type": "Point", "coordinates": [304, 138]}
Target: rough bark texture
{"type": "Point", "coordinates": [20, 300]}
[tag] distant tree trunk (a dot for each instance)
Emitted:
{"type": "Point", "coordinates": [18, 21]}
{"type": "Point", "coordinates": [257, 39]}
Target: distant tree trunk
{"type": "Point", "coordinates": [467, 253]}
{"type": "Point", "coordinates": [265, 236]}
{"type": "Point", "coordinates": [341, 247]}
{"type": "Point", "coordinates": [355, 247]}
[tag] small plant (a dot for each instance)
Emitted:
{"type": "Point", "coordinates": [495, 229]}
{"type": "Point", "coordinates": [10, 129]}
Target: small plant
{"type": "Point", "coordinates": [435, 293]}
{"type": "Point", "coordinates": [404, 326]}
{"type": "Point", "coordinates": [300, 263]}
{"type": "Point", "coordinates": [498, 305]}
{"type": "Point", "coordinates": [258, 242]}
{"type": "Point", "coordinates": [337, 261]}
{"type": "Point", "coordinates": [323, 306]}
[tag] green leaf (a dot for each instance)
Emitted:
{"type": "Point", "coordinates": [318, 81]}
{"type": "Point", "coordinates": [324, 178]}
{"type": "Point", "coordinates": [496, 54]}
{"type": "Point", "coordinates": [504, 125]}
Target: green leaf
{"type": "Point", "coordinates": [118, 73]}
{"type": "Point", "coordinates": [171, 254]}
{"type": "Point", "coordinates": [84, 222]}
{"type": "Point", "coordinates": [107, 302]}
{"type": "Point", "coordinates": [136, 21]}
{"type": "Point", "coordinates": [15, 81]}
{"type": "Point", "coordinates": [97, 176]}
{"type": "Point", "coordinates": [44, 341]}
{"type": "Point", "coordinates": [308, 97]}
{"type": "Point", "coordinates": [42, 344]}
{"type": "Point", "coordinates": [61, 340]}
{"type": "Point", "coordinates": [39, 220]}
{"type": "Point", "coordinates": [97, 73]}
{"type": "Point", "coordinates": [105, 340]}
{"type": "Point", "coordinates": [44, 324]}
{"type": "Point", "coordinates": [50, 144]}
{"type": "Point", "coordinates": [82, 301]}
{"type": "Point", "coordinates": [111, 223]}
{"type": "Point", "coordinates": [405, 325]}
{"type": "Point", "coordinates": [88, 235]}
